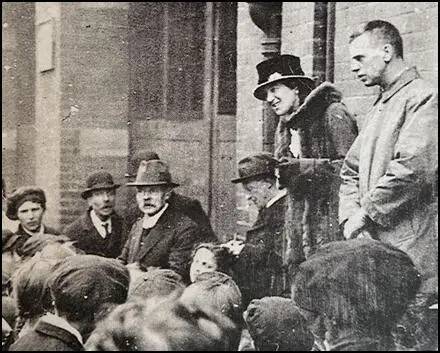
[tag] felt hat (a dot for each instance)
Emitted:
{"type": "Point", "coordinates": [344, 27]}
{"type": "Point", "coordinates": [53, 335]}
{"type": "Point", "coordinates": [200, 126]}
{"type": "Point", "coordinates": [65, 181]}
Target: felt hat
{"type": "Point", "coordinates": [98, 181]}
{"type": "Point", "coordinates": [22, 194]}
{"type": "Point", "coordinates": [279, 68]}
{"type": "Point", "coordinates": [134, 162]}
{"type": "Point", "coordinates": [256, 166]}
{"type": "Point", "coordinates": [153, 172]}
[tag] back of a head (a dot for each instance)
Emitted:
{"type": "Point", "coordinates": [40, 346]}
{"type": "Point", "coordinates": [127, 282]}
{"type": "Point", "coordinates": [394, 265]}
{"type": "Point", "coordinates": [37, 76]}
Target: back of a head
{"type": "Point", "coordinates": [35, 245]}
{"type": "Point", "coordinates": [275, 323]}
{"type": "Point", "coordinates": [364, 284]}
{"type": "Point", "coordinates": [82, 284]}
{"type": "Point", "coordinates": [155, 282]}
{"type": "Point", "coordinates": [164, 323]}
{"type": "Point", "coordinates": [31, 288]}
{"type": "Point", "coordinates": [218, 291]}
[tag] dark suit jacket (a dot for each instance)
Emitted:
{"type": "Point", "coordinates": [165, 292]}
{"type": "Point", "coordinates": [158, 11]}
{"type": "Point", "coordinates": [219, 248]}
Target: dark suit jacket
{"type": "Point", "coordinates": [47, 337]}
{"type": "Point", "coordinates": [192, 208]}
{"type": "Point", "coordinates": [259, 268]}
{"type": "Point", "coordinates": [87, 238]}
{"type": "Point", "coordinates": [168, 245]}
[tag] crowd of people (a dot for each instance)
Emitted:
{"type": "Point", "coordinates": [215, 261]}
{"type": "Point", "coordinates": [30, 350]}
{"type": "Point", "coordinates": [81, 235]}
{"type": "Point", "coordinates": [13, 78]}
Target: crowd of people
{"type": "Point", "coordinates": [343, 255]}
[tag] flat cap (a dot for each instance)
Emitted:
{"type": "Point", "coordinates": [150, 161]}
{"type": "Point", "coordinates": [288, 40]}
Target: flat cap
{"type": "Point", "coordinates": [276, 321]}
{"type": "Point", "coordinates": [84, 282]}
{"type": "Point", "coordinates": [22, 194]}
{"type": "Point", "coordinates": [356, 272]}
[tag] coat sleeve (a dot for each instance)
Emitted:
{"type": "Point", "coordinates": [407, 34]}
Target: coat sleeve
{"type": "Point", "coordinates": [342, 129]}
{"type": "Point", "coordinates": [202, 219]}
{"type": "Point", "coordinates": [414, 163]}
{"type": "Point", "coordinates": [179, 257]}
{"type": "Point", "coordinates": [349, 200]}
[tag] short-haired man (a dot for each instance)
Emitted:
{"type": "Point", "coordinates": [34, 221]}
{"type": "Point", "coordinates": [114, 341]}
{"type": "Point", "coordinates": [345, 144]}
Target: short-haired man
{"type": "Point", "coordinates": [100, 230]}
{"type": "Point", "coordinates": [164, 237]}
{"type": "Point", "coordinates": [389, 173]}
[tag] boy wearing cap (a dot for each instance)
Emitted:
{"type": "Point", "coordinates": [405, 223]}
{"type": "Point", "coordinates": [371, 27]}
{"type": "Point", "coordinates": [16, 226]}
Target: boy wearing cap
{"type": "Point", "coordinates": [27, 204]}
{"type": "Point", "coordinates": [100, 230]}
{"type": "Point", "coordinates": [164, 237]}
{"type": "Point", "coordinates": [83, 289]}
{"type": "Point", "coordinates": [261, 263]}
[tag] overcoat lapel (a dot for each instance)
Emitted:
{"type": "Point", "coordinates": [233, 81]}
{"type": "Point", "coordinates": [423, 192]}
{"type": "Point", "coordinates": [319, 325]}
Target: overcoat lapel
{"type": "Point", "coordinates": [156, 234]}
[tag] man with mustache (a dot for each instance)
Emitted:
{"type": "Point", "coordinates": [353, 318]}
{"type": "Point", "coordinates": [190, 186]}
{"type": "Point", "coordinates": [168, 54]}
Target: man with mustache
{"type": "Point", "coordinates": [164, 237]}
{"type": "Point", "coordinates": [99, 231]}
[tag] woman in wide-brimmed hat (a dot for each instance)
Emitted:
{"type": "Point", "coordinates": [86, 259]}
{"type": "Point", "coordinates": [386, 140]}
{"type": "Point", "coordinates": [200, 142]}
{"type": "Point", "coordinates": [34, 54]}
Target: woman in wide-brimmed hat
{"type": "Point", "coordinates": [314, 124]}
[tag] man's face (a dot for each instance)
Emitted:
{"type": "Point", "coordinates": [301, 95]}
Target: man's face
{"type": "Point", "coordinates": [259, 192]}
{"type": "Point", "coordinates": [30, 215]}
{"type": "Point", "coordinates": [102, 202]}
{"type": "Point", "coordinates": [367, 59]}
{"type": "Point", "coordinates": [203, 261]}
{"type": "Point", "coordinates": [282, 99]}
{"type": "Point", "coordinates": [151, 199]}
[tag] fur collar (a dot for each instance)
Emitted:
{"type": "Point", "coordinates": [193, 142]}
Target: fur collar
{"type": "Point", "coordinates": [314, 105]}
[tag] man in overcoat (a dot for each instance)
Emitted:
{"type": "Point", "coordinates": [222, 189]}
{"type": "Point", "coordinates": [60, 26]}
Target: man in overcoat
{"type": "Point", "coordinates": [390, 173]}
{"type": "Point", "coordinates": [191, 207]}
{"type": "Point", "coordinates": [260, 261]}
{"type": "Point", "coordinates": [164, 237]}
{"type": "Point", "coordinates": [100, 230]}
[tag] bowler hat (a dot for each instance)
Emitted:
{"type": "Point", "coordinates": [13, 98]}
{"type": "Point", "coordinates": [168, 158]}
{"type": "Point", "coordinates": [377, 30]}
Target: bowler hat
{"type": "Point", "coordinates": [256, 166]}
{"type": "Point", "coordinates": [98, 181]}
{"type": "Point", "coordinates": [280, 67]}
{"type": "Point", "coordinates": [22, 194]}
{"type": "Point", "coordinates": [134, 162]}
{"type": "Point", "coordinates": [153, 172]}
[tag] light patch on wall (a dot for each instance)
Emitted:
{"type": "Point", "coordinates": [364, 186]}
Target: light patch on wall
{"type": "Point", "coordinates": [105, 5]}
{"type": "Point", "coordinates": [45, 46]}
{"type": "Point", "coordinates": [103, 142]}
{"type": "Point", "coordinates": [9, 139]}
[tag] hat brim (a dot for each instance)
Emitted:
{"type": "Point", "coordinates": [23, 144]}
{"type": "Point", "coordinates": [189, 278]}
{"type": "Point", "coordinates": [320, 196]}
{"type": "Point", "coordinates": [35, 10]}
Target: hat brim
{"type": "Point", "coordinates": [146, 183]}
{"type": "Point", "coordinates": [86, 192]}
{"type": "Point", "coordinates": [249, 177]}
{"type": "Point", "coordinates": [260, 93]}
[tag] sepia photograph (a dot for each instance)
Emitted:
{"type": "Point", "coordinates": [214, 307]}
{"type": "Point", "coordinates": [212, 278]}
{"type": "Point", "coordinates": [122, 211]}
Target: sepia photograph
{"type": "Point", "coordinates": [219, 176]}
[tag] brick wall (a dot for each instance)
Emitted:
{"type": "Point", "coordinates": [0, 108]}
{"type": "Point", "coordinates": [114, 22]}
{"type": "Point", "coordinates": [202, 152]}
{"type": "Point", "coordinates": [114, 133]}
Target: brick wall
{"type": "Point", "coordinates": [418, 25]}
{"type": "Point", "coordinates": [94, 104]}
{"type": "Point", "coordinates": [249, 109]}
{"type": "Point", "coordinates": [18, 93]}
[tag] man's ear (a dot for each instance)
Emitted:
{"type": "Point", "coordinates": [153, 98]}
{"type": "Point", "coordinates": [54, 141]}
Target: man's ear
{"type": "Point", "coordinates": [388, 51]}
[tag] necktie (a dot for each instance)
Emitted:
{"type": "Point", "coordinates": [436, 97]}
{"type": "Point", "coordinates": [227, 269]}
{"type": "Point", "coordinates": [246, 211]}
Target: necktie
{"type": "Point", "coordinates": [105, 225]}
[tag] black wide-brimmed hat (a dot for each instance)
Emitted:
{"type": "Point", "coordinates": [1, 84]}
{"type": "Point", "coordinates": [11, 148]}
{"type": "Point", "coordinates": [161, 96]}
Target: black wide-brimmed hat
{"type": "Point", "coordinates": [98, 181]}
{"type": "Point", "coordinates": [278, 68]}
{"type": "Point", "coordinates": [153, 172]}
{"type": "Point", "coordinates": [256, 166]}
